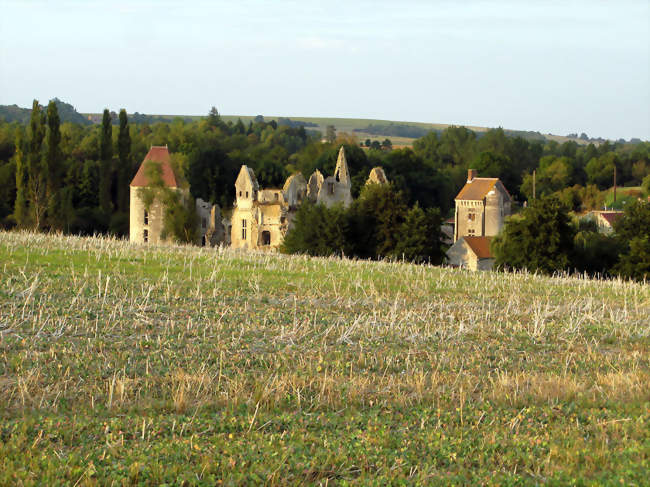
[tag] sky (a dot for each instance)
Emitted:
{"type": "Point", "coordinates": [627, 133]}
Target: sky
{"type": "Point", "coordinates": [551, 66]}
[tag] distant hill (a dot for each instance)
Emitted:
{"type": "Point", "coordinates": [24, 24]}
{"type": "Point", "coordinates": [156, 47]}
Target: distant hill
{"type": "Point", "coordinates": [67, 113]}
{"type": "Point", "coordinates": [401, 133]}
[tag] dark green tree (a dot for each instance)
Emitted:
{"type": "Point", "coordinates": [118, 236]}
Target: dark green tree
{"type": "Point", "coordinates": [330, 134]}
{"type": "Point", "coordinates": [125, 168]}
{"type": "Point", "coordinates": [540, 238]}
{"type": "Point", "coordinates": [214, 119]}
{"type": "Point", "coordinates": [54, 168]}
{"type": "Point", "coordinates": [317, 230]}
{"type": "Point", "coordinates": [239, 127]}
{"type": "Point", "coordinates": [419, 239]}
{"type": "Point", "coordinates": [593, 252]}
{"type": "Point", "coordinates": [21, 207]}
{"type": "Point", "coordinates": [36, 170]}
{"type": "Point", "coordinates": [375, 220]}
{"type": "Point", "coordinates": [106, 157]}
{"type": "Point", "coordinates": [633, 230]}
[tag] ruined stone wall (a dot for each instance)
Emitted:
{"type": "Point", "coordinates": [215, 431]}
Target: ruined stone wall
{"type": "Point", "coordinates": [332, 192]}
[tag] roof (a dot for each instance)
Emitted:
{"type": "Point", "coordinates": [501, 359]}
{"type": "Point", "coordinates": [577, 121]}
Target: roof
{"type": "Point", "coordinates": [477, 188]}
{"type": "Point", "coordinates": [159, 154]}
{"type": "Point", "coordinates": [611, 216]}
{"type": "Point", "coordinates": [480, 246]}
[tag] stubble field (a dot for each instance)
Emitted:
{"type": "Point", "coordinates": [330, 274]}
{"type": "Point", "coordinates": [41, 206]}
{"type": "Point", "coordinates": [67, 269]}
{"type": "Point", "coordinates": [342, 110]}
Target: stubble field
{"type": "Point", "coordinates": [123, 364]}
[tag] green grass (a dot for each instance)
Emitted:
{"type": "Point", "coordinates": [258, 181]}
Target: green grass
{"type": "Point", "coordinates": [625, 195]}
{"type": "Point", "coordinates": [123, 364]}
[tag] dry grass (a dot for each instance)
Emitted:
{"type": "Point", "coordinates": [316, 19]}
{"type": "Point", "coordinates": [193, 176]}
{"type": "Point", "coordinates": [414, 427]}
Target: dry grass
{"type": "Point", "coordinates": [159, 340]}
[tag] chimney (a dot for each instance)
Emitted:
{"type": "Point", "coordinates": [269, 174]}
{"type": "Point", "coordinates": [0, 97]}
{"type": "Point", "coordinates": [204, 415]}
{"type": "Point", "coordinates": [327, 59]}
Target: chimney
{"type": "Point", "coordinates": [471, 174]}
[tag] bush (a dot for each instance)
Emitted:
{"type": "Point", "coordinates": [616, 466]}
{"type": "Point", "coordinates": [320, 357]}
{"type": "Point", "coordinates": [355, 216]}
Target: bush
{"type": "Point", "coordinates": [540, 238]}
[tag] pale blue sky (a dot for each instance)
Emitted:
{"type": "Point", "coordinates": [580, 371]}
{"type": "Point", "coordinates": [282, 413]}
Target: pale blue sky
{"type": "Point", "coordinates": [551, 66]}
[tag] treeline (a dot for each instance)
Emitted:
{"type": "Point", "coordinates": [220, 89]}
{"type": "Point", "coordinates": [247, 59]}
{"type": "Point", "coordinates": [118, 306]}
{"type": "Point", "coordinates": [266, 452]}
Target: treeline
{"type": "Point", "coordinates": [544, 238]}
{"type": "Point", "coordinates": [90, 166]}
{"type": "Point", "coordinates": [395, 130]}
{"type": "Point", "coordinates": [379, 224]}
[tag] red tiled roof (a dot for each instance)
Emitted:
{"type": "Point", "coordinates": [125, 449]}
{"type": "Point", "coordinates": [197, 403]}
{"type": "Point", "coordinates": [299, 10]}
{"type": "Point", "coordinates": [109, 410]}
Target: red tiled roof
{"type": "Point", "coordinates": [480, 246]}
{"type": "Point", "coordinates": [477, 188]}
{"type": "Point", "coordinates": [611, 216]}
{"type": "Point", "coordinates": [159, 154]}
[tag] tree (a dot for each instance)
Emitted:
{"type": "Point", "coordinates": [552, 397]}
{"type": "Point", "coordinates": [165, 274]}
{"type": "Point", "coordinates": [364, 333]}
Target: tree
{"type": "Point", "coordinates": [124, 154]}
{"type": "Point", "coordinates": [539, 239]}
{"type": "Point", "coordinates": [36, 172]}
{"type": "Point", "coordinates": [600, 171]}
{"type": "Point", "coordinates": [594, 252]}
{"type": "Point", "coordinates": [376, 218]}
{"type": "Point", "coordinates": [53, 164]}
{"type": "Point", "coordinates": [635, 262]}
{"type": "Point", "coordinates": [330, 134]}
{"type": "Point", "coordinates": [646, 185]}
{"type": "Point", "coordinates": [21, 208]}
{"type": "Point", "coordinates": [214, 119]}
{"type": "Point", "coordinates": [417, 180]}
{"type": "Point", "coordinates": [494, 165]}
{"type": "Point", "coordinates": [317, 230]}
{"type": "Point", "coordinates": [387, 144]}
{"type": "Point", "coordinates": [419, 239]}
{"type": "Point", "coordinates": [106, 155]}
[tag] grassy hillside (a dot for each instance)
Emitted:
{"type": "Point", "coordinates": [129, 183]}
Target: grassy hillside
{"type": "Point", "coordinates": [122, 364]}
{"type": "Point", "coordinates": [351, 125]}
{"type": "Point", "coordinates": [354, 126]}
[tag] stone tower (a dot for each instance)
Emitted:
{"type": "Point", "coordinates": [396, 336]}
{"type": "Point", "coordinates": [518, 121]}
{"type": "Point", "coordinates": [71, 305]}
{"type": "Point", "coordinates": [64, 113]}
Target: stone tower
{"type": "Point", "coordinates": [146, 223]}
{"type": "Point", "coordinates": [481, 207]}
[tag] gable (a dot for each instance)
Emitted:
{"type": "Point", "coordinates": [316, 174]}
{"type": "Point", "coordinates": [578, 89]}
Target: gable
{"type": "Point", "coordinates": [160, 155]}
{"type": "Point", "coordinates": [246, 179]}
{"type": "Point", "coordinates": [480, 246]}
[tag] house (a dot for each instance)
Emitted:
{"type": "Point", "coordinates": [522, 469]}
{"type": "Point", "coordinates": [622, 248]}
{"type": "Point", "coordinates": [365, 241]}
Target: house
{"type": "Point", "coordinates": [471, 253]}
{"type": "Point", "coordinates": [604, 219]}
{"type": "Point", "coordinates": [147, 209]}
{"type": "Point", "coordinates": [333, 189]}
{"type": "Point", "coordinates": [261, 217]}
{"type": "Point", "coordinates": [481, 207]}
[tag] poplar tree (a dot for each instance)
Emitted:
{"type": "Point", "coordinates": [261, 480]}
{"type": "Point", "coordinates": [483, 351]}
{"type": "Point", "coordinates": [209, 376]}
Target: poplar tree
{"type": "Point", "coordinates": [21, 210]}
{"type": "Point", "coordinates": [53, 166]}
{"type": "Point", "coordinates": [106, 155]}
{"type": "Point", "coordinates": [36, 172]}
{"type": "Point", "coordinates": [124, 171]}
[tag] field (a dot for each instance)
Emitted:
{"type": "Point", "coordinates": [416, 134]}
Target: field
{"type": "Point", "coordinates": [123, 364]}
{"type": "Point", "coordinates": [625, 195]}
{"type": "Point", "coordinates": [349, 125]}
